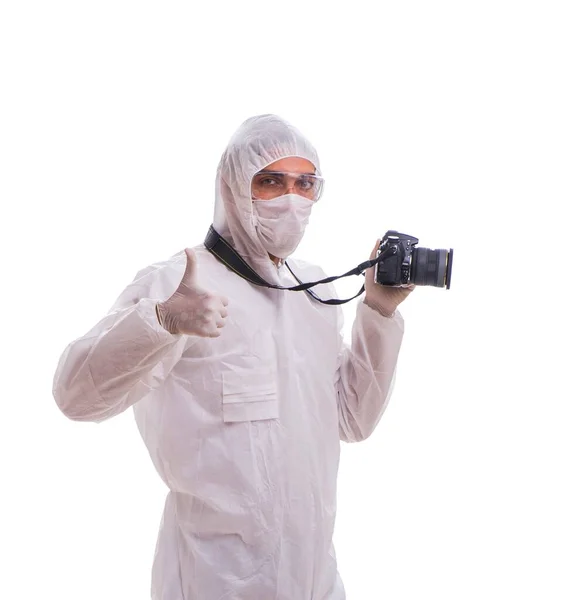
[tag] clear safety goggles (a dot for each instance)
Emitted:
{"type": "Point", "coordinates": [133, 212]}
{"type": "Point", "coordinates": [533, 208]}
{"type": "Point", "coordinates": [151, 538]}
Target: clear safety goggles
{"type": "Point", "coordinates": [267, 185]}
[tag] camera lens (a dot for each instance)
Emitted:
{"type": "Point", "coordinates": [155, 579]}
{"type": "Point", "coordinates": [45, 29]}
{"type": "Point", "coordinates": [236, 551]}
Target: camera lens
{"type": "Point", "coordinates": [431, 267]}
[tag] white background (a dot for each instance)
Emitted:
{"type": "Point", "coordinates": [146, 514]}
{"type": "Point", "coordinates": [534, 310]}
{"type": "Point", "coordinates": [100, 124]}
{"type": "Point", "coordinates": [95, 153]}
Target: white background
{"type": "Point", "coordinates": [455, 122]}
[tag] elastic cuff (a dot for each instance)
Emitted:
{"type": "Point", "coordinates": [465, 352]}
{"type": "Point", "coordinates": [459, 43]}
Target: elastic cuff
{"type": "Point", "coordinates": [383, 314]}
{"type": "Point", "coordinates": [147, 308]}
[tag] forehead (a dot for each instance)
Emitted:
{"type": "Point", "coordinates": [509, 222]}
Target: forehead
{"type": "Point", "coordinates": [293, 164]}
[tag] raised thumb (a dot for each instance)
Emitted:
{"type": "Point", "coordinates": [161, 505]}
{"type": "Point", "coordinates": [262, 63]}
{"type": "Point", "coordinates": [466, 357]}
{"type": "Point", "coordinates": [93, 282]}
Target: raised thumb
{"type": "Point", "coordinates": [190, 276]}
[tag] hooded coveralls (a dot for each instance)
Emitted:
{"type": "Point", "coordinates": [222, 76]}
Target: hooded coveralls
{"type": "Point", "coordinates": [244, 429]}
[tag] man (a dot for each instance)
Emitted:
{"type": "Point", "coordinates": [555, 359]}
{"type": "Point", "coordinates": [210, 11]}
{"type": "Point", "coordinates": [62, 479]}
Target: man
{"type": "Point", "coordinates": [242, 393]}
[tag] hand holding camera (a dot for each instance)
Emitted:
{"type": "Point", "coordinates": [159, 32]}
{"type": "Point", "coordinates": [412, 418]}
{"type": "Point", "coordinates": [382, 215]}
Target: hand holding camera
{"type": "Point", "coordinates": [404, 266]}
{"type": "Point", "coordinates": [384, 299]}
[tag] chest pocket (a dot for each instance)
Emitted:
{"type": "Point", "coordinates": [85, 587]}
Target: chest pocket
{"type": "Point", "coordinates": [249, 396]}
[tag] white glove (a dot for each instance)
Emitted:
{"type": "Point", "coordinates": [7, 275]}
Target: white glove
{"type": "Point", "coordinates": [192, 310]}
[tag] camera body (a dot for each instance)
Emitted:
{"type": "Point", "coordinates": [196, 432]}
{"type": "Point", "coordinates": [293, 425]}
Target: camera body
{"type": "Point", "coordinates": [395, 268]}
{"type": "Point", "coordinates": [404, 263]}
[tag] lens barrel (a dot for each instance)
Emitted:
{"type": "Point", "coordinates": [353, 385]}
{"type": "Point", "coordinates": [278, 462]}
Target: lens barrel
{"type": "Point", "coordinates": [431, 267]}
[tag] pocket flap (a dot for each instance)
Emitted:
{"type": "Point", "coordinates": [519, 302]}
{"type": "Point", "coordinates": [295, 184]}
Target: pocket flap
{"type": "Point", "coordinates": [248, 387]}
{"type": "Point", "coordinates": [249, 396]}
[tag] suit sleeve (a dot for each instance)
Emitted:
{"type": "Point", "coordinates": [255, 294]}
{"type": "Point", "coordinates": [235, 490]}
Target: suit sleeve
{"type": "Point", "coordinates": [123, 357]}
{"type": "Point", "coordinates": [366, 371]}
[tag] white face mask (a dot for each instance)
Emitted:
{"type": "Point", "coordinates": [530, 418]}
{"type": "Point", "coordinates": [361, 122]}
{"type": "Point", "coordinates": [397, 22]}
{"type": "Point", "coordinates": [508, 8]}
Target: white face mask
{"type": "Point", "coordinates": [281, 222]}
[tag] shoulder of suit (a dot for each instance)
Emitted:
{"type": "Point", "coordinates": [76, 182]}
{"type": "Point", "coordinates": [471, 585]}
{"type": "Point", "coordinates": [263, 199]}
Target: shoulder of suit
{"type": "Point", "coordinates": [175, 262]}
{"type": "Point", "coordinates": [178, 260]}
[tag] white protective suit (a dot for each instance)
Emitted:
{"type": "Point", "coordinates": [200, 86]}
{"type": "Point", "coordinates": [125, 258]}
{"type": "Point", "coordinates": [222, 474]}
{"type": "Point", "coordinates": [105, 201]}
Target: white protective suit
{"type": "Point", "coordinates": [244, 429]}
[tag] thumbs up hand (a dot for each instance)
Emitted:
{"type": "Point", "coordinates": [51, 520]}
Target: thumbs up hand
{"type": "Point", "coordinates": [192, 310]}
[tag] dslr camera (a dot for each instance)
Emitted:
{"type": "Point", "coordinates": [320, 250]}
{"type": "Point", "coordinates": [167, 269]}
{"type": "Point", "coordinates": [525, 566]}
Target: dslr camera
{"type": "Point", "coordinates": [405, 263]}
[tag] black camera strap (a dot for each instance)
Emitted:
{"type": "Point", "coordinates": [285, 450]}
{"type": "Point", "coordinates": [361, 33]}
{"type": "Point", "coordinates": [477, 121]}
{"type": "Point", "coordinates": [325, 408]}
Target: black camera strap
{"type": "Point", "coordinates": [225, 253]}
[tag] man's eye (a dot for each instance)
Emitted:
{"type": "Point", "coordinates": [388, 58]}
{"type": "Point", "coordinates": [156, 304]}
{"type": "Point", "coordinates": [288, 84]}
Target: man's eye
{"type": "Point", "coordinates": [268, 182]}
{"type": "Point", "coordinates": [306, 184]}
